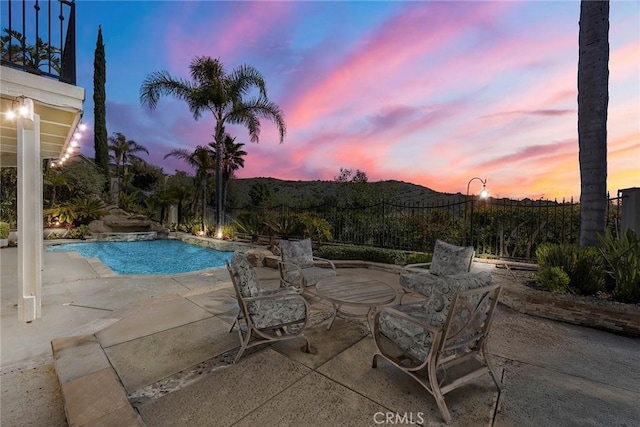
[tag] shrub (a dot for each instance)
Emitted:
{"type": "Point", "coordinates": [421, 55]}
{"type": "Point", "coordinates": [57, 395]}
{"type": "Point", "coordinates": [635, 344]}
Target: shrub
{"type": "Point", "coordinates": [4, 230]}
{"type": "Point", "coordinates": [228, 232]}
{"type": "Point", "coordinates": [623, 259]}
{"type": "Point", "coordinates": [418, 257]}
{"type": "Point", "coordinates": [79, 232]}
{"type": "Point", "coordinates": [251, 224]}
{"type": "Point", "coordinates": [553, 279]}
{"type": "Point", "coordinates": [363, 253]}
{"type": "Point", "coordinates": [318, 229]}
{"type": "Point", "coordinates": [584, 266]}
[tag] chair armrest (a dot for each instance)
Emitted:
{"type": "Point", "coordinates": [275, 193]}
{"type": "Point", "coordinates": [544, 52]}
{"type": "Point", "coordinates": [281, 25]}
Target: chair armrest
{"type": "Point", "coordinates": [422, 267]}
{"type": "Point", "coordinates": [293, 269]}
{"type": "Point", "coordinates": [433, 329]}
{"type": "Point", "coordinates": [275, 296]}
{"type": "Point", "coordinates": [315, 258]}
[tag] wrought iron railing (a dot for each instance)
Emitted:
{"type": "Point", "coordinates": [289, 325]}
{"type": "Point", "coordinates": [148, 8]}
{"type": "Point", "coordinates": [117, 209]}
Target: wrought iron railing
{"type": "Point", "coordinates": [39, 37]}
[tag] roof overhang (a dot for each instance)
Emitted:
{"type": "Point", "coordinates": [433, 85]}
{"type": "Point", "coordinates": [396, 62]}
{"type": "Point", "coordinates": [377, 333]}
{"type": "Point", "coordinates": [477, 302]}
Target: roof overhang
{"type": "Point", "coordinates": [58, 104]}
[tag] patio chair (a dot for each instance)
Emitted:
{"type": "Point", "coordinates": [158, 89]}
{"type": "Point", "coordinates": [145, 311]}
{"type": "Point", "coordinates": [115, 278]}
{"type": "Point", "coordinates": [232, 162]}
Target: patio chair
{"type": "Point", "coordinates": [447, 260]}
{"type": "Point", "coordinates": [298, 265]}
{"type": "Point", "coordinates": [269, 315]}
{"type": "Point", "coordinates": [427, 341]}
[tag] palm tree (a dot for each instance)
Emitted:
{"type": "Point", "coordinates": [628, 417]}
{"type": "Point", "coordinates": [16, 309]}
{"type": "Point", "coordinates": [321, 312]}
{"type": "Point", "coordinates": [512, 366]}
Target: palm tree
{"type": "Point", "coordinates": [593, 100]}
{"type": "Point", "coordinates": [123, 153]}
{"type": "Point", "coordinates": [226, 95]}
{"type": "Point", "coordinates": [55, 180]}
{"type": "Point", "coordinates": [202, 159]}
{"type": "Point", "coordinates": [232, 160]}
{"type": "Point", "coordinates": [31, 57]}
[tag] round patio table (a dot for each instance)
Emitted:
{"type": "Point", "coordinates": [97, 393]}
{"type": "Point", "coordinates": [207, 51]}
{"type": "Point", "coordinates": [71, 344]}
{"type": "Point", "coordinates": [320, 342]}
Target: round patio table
{"type": "Point", "coordinates": [355, 291]}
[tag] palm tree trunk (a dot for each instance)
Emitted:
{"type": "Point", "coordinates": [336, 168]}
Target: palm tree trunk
{"type": "Point", "coordinates": [219, 202]}
{"type": "Point", "coordinates": [593, 100]}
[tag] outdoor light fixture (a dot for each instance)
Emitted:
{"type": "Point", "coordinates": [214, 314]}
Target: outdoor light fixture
{"type": "Point", "coordinates": [24, 109]}
{"type": "Point", "coordinates": [484, 193]}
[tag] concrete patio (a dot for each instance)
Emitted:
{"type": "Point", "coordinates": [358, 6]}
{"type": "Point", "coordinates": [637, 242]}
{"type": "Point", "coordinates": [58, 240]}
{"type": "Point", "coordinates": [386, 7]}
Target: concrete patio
{"type": "Point", "coordinates": [167, 340]}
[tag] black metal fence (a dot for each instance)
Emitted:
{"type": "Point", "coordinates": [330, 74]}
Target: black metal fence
{"type": "Point", "coordinates": [39, 37]}
{"type": "Point", "coordinates": [496, 227]}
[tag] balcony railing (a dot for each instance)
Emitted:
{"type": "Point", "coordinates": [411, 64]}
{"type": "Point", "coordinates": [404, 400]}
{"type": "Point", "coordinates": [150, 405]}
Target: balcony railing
{"type": "Point", "coordinates": [39, 37]}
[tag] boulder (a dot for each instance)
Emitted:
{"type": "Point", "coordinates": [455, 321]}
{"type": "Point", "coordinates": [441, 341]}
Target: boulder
{"type": "Point", "coordinates": [257, 256]}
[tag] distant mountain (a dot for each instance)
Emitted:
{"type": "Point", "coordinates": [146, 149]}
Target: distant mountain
{"type": "Point", "coordinates": [318, 191]}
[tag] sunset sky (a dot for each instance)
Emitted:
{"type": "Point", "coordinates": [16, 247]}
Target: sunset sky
{"type": "Point", "coordinates": [433, 93]}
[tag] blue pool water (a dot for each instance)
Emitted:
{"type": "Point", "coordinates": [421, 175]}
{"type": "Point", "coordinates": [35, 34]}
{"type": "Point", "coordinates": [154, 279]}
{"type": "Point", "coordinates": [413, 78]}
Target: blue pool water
{"type": "Point", "coordinates": [149, 257]}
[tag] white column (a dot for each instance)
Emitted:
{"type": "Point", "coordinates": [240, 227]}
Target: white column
{"type": "Point", "coordinates": [29, 219]}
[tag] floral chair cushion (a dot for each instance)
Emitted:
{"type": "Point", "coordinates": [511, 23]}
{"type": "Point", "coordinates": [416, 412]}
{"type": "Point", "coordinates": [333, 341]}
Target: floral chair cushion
{"type": "Point", "coordinates": [275, 312]}
{"type": "Point", "coordinates": [247, 278]}
{"type": "Point", "coordinates": [299, 253]}
{"type": "Point", "coordinates": [416, 340]}
{"type": "Point", "coordinates": [449, 259]}
{"type": "Point", "coordinates": [410, 337]}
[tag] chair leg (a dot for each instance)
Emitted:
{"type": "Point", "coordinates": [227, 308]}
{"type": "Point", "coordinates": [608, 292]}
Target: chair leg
{"type": "Point", "coordinates": [485, 356]}
{"type": "Point", "coordinates": [437, 394]}
{"type": "Point", "coordinates": [244, 342]}
{"type": "Point", "coordinates": [374, 362]}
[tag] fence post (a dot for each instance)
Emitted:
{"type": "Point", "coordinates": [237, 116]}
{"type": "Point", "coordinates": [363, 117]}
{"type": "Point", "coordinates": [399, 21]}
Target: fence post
{"type": "Point", "coordinates": [630, 209]}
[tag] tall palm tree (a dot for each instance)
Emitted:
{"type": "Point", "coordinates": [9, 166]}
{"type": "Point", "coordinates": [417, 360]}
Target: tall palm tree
{"type": "Point", "coordinates": [202, 159]}
{"type": "Point", "coordinates": [227, 95]}
{"type": "Point", "coordinates": [232, 160]}
{"type": "Point", "coordinates": [593, 100]}
{"type": "Point", "coordinates": [123, 153]}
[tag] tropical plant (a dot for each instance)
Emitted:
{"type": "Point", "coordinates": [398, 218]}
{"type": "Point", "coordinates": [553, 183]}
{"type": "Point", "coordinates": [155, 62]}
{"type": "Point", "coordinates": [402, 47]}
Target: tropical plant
{"type": "Point", "coordinates": [77, 211]}
{"type": "Point", "coordinates": [16, 50]}
{"type": "Point", "coordinates": [124, 151]}
{"type": "Point", "coordinates": [584, 266]}
{"type": "Point", "coordinates": [84, 179]}
{"type": "Point", "coordinates": [64, 214]}
{"type": "Point", "coordinates": [129, 202]}
{"type": "Point", "coordinates": [79, 232]}
{"type": "Point", "coordinates": [4, 230]}
{"type": "Point", "coordinates": [250, 223]}
{"type": "Point", "coordinates": [232, 160]}
{"type": "Point", "coordinates": [202, 159]}
{"type": "Point", "coordinates": [553, 279]}
{"type": "Point", "coordinates": [181, 187]}
{"type": "Point", "coordinates": [622, 256]}
{"type": "Point", "coordinates": [55, 179]}
{"type": "Point", "coordinates": [593, 100]}
{"type": "Point", "coordinates": [315, 227]}
{"type": "Point", "coordinates": [227, 95]}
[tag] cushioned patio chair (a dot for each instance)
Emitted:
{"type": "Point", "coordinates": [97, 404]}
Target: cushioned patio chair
{"type": "Point", "coordinates": [298, 265]}
{"type": "Point", "coordinates": [447, 260]}
{"type": "Point", "coordinates": [427, 340]}
{"type": "Point", "coordinates": [265, 315]}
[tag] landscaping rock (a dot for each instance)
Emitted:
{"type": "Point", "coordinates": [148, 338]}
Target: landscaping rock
{"type": "Point", "coordinates": [257, 256]}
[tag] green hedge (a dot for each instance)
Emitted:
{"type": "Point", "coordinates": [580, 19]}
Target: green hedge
{"type": "Point", "coordinates": [363, 253]}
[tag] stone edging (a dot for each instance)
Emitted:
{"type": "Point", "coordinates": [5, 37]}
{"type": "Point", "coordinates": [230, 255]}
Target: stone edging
{"type": "Point", "coordinates": [613, 317]}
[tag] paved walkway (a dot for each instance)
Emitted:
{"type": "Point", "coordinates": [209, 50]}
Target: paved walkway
{"type": "Point", "coordinates": [166, 339]}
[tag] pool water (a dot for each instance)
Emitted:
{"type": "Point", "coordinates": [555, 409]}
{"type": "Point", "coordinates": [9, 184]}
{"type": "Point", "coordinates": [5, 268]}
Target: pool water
{"type": "Point", "coordinates": [149, 257]}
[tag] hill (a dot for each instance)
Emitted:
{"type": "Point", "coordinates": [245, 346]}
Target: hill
{"type": "Point", "coordinates": [317, 191]}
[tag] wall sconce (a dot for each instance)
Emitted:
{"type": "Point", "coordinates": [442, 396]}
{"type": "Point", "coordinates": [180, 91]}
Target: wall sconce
{"type": "Point", "coordinates": [24, 109]}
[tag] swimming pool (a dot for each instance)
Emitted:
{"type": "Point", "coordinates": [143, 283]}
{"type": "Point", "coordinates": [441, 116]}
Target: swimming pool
{"type": "Point", "coordinates": [149, 257]}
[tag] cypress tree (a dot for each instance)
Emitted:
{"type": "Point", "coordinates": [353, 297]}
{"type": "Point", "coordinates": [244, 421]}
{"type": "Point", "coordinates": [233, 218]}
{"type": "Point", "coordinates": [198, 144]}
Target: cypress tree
{"type": "Point", "coordinates": [99, 109]}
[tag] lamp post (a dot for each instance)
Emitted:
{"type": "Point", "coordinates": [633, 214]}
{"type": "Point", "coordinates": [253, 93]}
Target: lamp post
{"type": "Point", "coordinates": [483, 195]}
